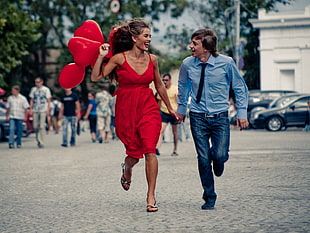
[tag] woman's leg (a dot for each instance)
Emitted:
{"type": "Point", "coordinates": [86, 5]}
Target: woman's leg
{"type": "Point", "coordinates": [151, 170]}
{"type": "Point", "coordinates": [162, 132]}
{"type": "Point", "coordinates": [129, 164]}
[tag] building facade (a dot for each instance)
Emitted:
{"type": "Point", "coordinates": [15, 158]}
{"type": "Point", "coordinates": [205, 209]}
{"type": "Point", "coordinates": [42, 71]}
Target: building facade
{"type": "Point", "coordinates": [284, 50]}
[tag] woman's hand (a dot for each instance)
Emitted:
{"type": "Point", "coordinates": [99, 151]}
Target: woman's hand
{"type": "Point", "coordinates": [175, 114]}
{"type": "Point", "coordinates": [104, 49]}
{"type": "Point", "coordinates": [180, 117]}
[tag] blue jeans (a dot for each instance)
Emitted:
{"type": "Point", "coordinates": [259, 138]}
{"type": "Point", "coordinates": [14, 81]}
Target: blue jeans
{"type": "Point", "coordinates": [16, 126]}
{"type": "Point", "coordinates": [66, 120]}
{"type": "Point", "coordinates": [205, 130]}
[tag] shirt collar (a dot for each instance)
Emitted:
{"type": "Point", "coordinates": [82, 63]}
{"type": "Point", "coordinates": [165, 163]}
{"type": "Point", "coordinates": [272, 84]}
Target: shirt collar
{"type": "Point", "coordinates": [210, 61]}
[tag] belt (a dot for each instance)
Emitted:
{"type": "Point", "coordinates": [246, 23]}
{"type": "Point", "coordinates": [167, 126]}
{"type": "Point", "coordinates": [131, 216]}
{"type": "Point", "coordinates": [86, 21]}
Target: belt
{"type": "Point", "coordinates": [211, 116]}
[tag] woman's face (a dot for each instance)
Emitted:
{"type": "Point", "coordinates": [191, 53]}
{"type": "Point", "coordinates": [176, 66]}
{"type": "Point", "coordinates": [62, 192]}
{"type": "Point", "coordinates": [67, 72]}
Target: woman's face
{"type": "Point", "coordinates": [90, 96]}
{"type": "Point", "coordinates": [143, 40]}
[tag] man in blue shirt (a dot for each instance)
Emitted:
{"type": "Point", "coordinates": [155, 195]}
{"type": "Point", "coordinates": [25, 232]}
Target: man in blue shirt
{"type": "Point", "coordinates": [206, 77]}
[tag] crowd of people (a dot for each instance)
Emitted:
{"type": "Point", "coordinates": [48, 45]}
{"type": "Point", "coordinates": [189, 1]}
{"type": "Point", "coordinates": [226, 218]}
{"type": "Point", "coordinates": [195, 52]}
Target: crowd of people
{"type": "Point", "coordinates": [202, 95]}
{"type": "Point", "coordinates": [52, 114]}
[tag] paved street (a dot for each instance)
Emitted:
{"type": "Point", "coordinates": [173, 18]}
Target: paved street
{"type": "Point", "coordinates": [265, 187]}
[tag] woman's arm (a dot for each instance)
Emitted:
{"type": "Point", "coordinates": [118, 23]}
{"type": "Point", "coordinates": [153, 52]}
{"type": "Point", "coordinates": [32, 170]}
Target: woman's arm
{"type": "Point", "coordinates": [99, 71]}
{"type": "Point", "coordinates": [161, 89]}
{"type": "Point", "coordinates": [90, 106]}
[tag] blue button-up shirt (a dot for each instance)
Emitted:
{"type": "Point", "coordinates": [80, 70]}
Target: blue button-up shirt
{"type": "Point", "coordinates": [219, 73]}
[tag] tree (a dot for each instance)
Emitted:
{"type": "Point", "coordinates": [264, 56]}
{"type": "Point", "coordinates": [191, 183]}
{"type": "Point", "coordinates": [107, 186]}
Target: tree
{"type": "Point", "coordinates": [17, 32]}
{"type": "Point", "coordinates": [218, 14]}
{"type": "Point", "coordinates": [60, 18]}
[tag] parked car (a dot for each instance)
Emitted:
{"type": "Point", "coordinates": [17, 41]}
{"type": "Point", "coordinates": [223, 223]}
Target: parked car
{"type": "Point", "coordinates": [2, 122]}
{"type": "Point", "coordinates": [5, 126]}
{"type": "Point", "coordinates": [283, 100]}
{"type": "Point", "coordinates": [293, 114]}
{"type": "Point", "coordinates": [260, 100]}
{"type": "Point", "coordinates": [278, 102]}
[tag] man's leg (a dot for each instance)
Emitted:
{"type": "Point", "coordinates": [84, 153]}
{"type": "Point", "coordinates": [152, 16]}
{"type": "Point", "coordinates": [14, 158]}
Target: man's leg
{"type": "Point", "coordinates": [12, 132]}
{"type": "Point", "coordinates": [72, 121]}
{"type": "Point", "coordinates": [220, 144]}
{"type": "Point", "coordinates": [201, 134]}
{"type": "Point", "coordinates": [175, 137]}
{"type": "Point", "coordinates": [162, 132]}
{"type": "Point", "coordinates": [41, 128]}
{"type": "Point", "coordinates": [65, 131]}
{"type": "Point", "coordinates": [19, 131]}
{"type": "Point", "coordinates": [36, 123]}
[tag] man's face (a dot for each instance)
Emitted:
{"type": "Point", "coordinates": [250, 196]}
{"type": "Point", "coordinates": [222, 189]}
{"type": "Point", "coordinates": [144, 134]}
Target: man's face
{"type": "Point", "coordinates": [14, 91]}
{"type": "Point", "coordinates": [197, 48]}
{"type": "Point", "coordinates": [38, 82]}
{"type": "Point", "coordinates": [167, 81]}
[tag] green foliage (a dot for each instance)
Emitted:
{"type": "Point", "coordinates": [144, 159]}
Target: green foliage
{"type": "Point", "coordinates": [17, 32]}
{"type": "Point", "coordinates": [219, 15]}
{"type": "Point", "coordinates": [30, 30]}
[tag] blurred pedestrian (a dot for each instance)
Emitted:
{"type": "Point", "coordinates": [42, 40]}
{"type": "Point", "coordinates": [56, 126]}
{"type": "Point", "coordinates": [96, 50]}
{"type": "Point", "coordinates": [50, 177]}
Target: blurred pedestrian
{"type": "Point", "coordinates": [209, 106]}
{"type": "Point", "coordinates": [112, 126]}
{"type": "Point", "coordinates": [16, 112]}
{"type": "Point", "coordinates": [166, 117]}
{"type": "Point", "coordinates": [232, 113]}
{"type": "Point", "coordinates": [91, 115]}
{"type": "Point", "coordinates": [307, 127]}
{"type": "Point", "coordinates": [104, 105]}
{"type": "Point", "coordinates": [55, 108]}
{"type": "Point", "coordinates": [40, 98]}
{"type": "Point", "coordinates": [137, 116]}
{"type": "Point", "coordinates": [69, 113]}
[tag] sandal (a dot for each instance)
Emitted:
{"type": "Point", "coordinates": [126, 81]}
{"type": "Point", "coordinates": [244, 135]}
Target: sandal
{"type": "Point", "coordinates": [125, 183]}
{"type": "Point", "coordinates": [152, 208]}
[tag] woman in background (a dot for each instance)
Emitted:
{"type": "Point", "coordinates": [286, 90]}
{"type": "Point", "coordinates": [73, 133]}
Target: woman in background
{"type": "Point", "coordinates": [91, 115]}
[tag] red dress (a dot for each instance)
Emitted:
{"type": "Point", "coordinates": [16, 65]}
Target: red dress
{"type": "Point", "coordinates": [137, 117]}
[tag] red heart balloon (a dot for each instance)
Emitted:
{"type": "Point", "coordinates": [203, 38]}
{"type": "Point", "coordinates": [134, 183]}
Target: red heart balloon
{"type": "Point", "coordinates": [90, 30]}
{"type": "Point", "coordinates": [71, 76]}
{"type": "Point", "coordinates": [84, 51]}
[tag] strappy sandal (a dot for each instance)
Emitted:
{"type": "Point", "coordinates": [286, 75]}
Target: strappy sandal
{"type": "Point", "coordinates": [125, 183]}
{"type": "Point", "coordinates": [152, 208]}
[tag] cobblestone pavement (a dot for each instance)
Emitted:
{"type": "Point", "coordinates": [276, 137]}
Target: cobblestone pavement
{"type": "Point", "coordinates": [265, 187]}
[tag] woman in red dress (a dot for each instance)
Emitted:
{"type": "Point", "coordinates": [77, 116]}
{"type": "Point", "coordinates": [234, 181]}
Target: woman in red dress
{"type": "Point", "coordinates": [137, 117]}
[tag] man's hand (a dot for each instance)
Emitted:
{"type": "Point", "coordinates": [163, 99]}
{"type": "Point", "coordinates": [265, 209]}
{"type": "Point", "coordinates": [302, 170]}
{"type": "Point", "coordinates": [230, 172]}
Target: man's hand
{"type": "Point", "coordinates": [180, 117]}
{"type": "Point", "coordinates": [242, 123]}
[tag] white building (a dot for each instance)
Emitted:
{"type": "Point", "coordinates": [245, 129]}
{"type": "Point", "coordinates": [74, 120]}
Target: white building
{"type": "Point", "coordinates": [284, 50]}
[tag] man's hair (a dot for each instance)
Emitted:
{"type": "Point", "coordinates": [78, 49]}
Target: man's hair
{"type": "Point", "coordinates": [41, 79]}
{"type": "Point", "coordinates": [15, 87]}
{"type": "Point", "coordinates": [167, 75]}
{"type": "Point", "coordinates": [208, 39]}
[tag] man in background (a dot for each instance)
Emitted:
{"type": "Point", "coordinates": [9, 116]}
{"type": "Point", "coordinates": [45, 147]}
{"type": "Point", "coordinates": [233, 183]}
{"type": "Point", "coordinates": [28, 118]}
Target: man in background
{"type": "Point", "coordinates": [172, 92]}
{"type": "Point", "coordinates": [16, 113]}
{"type": "Point", "coordinates": [69, 113]}
{"type": "Point", "coordinates": [40, 98]}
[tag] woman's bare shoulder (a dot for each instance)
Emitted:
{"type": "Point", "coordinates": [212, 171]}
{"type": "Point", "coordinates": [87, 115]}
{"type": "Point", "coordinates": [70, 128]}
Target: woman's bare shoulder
{"type": "Point", "coordinates": [118, 58]}
{"type": "Point", "coordinates": [153, 58]}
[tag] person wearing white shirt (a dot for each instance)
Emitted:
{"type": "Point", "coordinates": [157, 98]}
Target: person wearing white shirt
{"type": "Point", "coordinates": [16, 112]}
{"type": "Point", "coordinates": [40, 98]}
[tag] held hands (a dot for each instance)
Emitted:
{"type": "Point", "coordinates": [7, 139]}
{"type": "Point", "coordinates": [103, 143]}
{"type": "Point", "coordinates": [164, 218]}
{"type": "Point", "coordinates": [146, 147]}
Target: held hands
{"type": "Point", "coordinates": [179, 117]}
{"type": "Point", "coordinates": [242, 123]}
{"type": "Point", "coordinates": [104, 49]}
{"type": "Point", "coordinates": [174, 113]}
